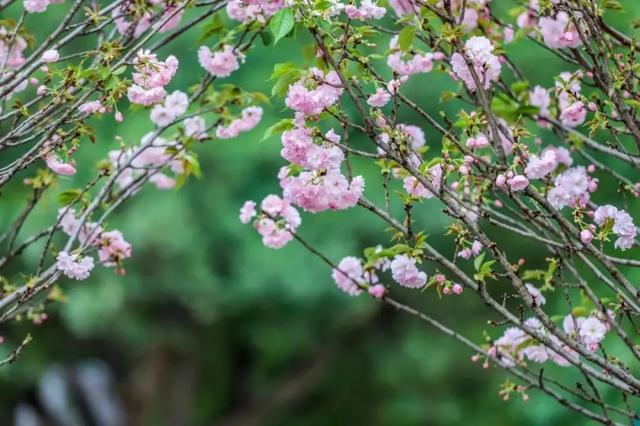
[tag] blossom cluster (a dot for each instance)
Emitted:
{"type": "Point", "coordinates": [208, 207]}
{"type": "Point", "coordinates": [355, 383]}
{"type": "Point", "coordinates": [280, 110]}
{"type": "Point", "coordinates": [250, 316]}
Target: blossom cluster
{"type": "Point", "coordinates": [276, 223]}
{"type": "Point", "coordinates": [515, 345]}
{"type": "Point", "coordinates": [149, 157]}
{"type": "Point", "coordinates": [485, 65]}
{"type": "Point", "coordinates": [249, 118]}
{"type": "Point", "coordinates": [222, 62]}
{"type": "Point", "coordinates": [150, 77]}
{"type": "Point", "coordinates": [111, 245]}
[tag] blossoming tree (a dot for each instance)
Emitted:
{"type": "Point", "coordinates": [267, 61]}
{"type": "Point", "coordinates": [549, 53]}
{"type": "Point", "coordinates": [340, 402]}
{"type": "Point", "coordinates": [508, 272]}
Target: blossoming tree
{"type": "Point", "coordinates": [518, 157]}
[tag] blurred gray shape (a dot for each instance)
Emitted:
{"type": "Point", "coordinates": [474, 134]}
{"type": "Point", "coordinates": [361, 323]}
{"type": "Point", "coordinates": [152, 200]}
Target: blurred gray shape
{"type": "Point", "coordinates": [26, 415]}
{"type": "Point", "coordinates": [96, 384]}
{"type": "Point", "coordinates": [55, 395]}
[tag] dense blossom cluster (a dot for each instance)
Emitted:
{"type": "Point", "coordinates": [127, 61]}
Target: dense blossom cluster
{"type": "Point", "coordinates": [485, 66]}
{"type": "Point", "coordinates": [251, 10]}
{"type": "Point", "coordinates": [150, 77]}
{"type": "Point", "coordinates": [276, 223]}
{"type": "Point", "coordinates": [221, 63]}
{"type": "Point", "coordinates": [249, 118]}
{"type": "Point", "coordinates": [314, 93]}
{"type": "Point", "coordinates": [515, 345]}
{"type": "Point", "coordinates": [111, 245]}
{"type": "Point", "coordinates": [148, 158]}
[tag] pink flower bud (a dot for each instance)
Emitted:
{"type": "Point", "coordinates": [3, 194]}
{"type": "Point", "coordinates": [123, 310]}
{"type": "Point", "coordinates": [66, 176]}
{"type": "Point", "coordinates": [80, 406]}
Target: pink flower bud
{"type": "Point", "coordinates": [500, 181]}
{"type": "Point", "coordinates": [440, 278]}
{"type": "Point", "coordinates": [118, 116]}
{"type": "Point", "coordinates": [586, 236]}
{"type": "Point", "coordinates": [446, 290]}
{"type": "Point", "coordinates": [457, 288]}
{"type": "Point", "coordinates": [591, 168]}
{"type": "Point", "coordinates": [50, 56]}
{"type": "Point", "coordinates": [377, 291]}
{"type": "Point", "coordinates": [592, 106]}
{"type": "Point", "coordinates": [518, 183]}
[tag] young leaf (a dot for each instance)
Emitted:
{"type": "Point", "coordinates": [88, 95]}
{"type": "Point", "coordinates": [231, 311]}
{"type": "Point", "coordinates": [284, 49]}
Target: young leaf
{"type": "Point", "coordinates": [281, 24]}
{"type": "Point", "coordinates": [405, 38]}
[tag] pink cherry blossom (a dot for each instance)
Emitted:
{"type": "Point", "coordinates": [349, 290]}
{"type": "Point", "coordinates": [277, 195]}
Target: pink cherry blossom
{"type": "Point", "coordinates": [221, 63]}
{"type": "Point", "coordinates": [405, 272]}
{"type": "Point", "coordinates": [75, 267]}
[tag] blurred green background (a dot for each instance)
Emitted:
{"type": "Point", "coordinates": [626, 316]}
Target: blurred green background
{"type": "Point", "coordinates": [209, 327]}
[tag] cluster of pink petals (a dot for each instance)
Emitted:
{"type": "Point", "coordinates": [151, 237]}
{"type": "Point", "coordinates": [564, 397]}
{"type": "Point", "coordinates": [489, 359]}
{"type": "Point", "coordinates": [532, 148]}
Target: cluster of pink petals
{"type": "Point", "coordinates": [317, 191]}
{"type": "Point", "coordinates": [478, 142]}
{"type": "Point", "coordinates": [568, 88]}
{"type": "Point", "coordinates": [142, 23]}
{"type": "Point", "coordinates": [417, 189]}
{"type": "Point", "coordinates": [417, 63]}
{"type": "Point", "coordinates": [91, 107]}
{"type": "Point", "coordinates": [405, 272]}
{"type": "Point", "coordinates": [518, 183]}
{"type": "Point", "coordinates": [112, 248]}
{"type": "Point", "coordinates": [277, 225]}
{"type": "Point", "coordinates": [623, 225]}
{"type": "Point", "coordinates": [528, 18]}
{"type": "Point", "coordinates": [195, 127]}
{"type": "Point", "coordinates": [134, 28]}
{"type": "Point", "coordinates": [515, 345]}
{"type": "Point", "coordinates": [151, 156]}
{"type": "Point", "coordinates": [540, 166]}
{"type": "Point", "coordinates": [573, 114]}
{"type": "Point", "coordinates": [11, 53]}
{"type": "Point", "coordinates": [468, 252]}
{"type": "Point", "coordinates": [314, 93]}
{"type": "Point", "coordinates": [298, 148]}
{"type": "Point", "coordinates": [75, 267]}
{"type": "Point", "coordinates": [486, 65]}
{"type": "Point", "coordinates": [249, 119]}
{"type": "Point", "coordinates": [50, 56]}
{"type": "Point", "coordinates": [367, 10]}
{"type": "Point", "coordinates": [379, 99]}
{"type": "Point", "coordinates": [559, 32]}
{"type": "Point", "coordinates": [536, 294]}
{"type": "Point", "coordinates": [221, 63]}
{"type": "Point", "coordinates": [572, 188]}
{"type": "Point", "coordinates": [69, 223]}
{"type": "Point", "coordinates": [540, 98]}
{"type": "Point", "coordinates": [57, 166]}
{"type": "Point", "coordinates": [38, 6]}
{"type": "Point", "coordinates": [150, 77]}
{"type": "Point", "coordinates": [251, 10]}
{"type": "Point", "coordinates": [404, 7]}
{"type": "Point", "coordinates": [350, 276]}
{"type": "Point", "coordinates": [173, 106]}
{"type": "Point", "coordinates": [414, 135]}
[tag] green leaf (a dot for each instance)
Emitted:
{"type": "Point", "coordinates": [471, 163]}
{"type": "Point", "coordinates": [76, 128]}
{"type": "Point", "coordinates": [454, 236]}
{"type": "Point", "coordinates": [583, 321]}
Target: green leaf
{"type": "Point", "coordinates": [279, 127]}
{"type": "Point", "coordinates": [266, 37]}
{"type": "Point", "coordinates": [612, 5]}
{"type": "Point", "coordinates": [281, 24]}
{"type": "Point", "coordinates": [478, 261]}
{"type": "Point", "coordinates": [213, 27]}
{"type": "Point", "coordinates": [405, 38]}
{"type": "Point", "coordinates": [69, 196]}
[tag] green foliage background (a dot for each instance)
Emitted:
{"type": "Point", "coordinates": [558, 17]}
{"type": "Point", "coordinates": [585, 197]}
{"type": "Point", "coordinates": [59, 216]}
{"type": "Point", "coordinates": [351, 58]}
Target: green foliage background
{"type": "Point", "coordinates": [208, 324]}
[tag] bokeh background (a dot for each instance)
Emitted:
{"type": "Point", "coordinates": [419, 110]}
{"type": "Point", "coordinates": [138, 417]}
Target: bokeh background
{"type": "Point", "coordinates": [209, 327]}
